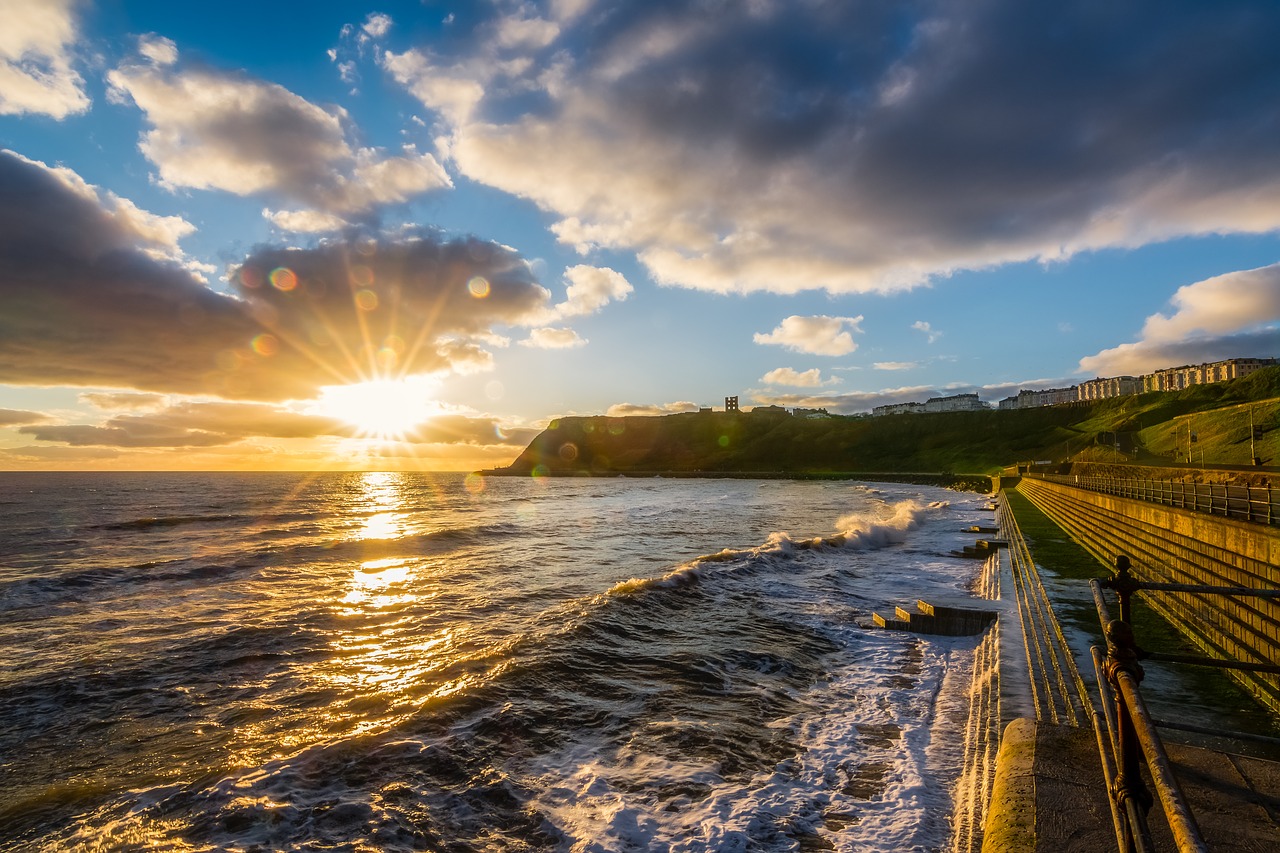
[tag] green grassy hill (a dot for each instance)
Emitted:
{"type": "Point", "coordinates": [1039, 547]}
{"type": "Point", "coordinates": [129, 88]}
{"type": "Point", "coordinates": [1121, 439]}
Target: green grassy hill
{"type": "Point", "coordinates": [1144, 429]}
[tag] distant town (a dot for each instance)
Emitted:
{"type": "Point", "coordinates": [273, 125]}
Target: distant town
{"type": "Point", "coordinates": [1169, 379]}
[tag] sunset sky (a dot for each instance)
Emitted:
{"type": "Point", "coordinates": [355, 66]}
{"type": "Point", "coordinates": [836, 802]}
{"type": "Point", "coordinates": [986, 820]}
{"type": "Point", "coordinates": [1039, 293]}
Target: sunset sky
{"type": "Point", "coordinates": [408, 234]}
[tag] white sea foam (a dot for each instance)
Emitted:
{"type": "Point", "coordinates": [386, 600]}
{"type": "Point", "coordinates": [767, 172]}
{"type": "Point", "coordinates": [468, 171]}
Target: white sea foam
{"type": "Point", "coordinates": [861, 777]}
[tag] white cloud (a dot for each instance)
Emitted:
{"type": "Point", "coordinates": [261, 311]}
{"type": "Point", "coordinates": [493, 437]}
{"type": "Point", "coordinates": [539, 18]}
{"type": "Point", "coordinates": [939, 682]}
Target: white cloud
{"type": "Point", "coordinates": [896, 365]}
{"type": "Point", "coordinates": [526, 32]}
{"type": "Point", "coordinates": [930, 333]}
{"type": "Point", "coordinates": [454, 93]}
{"type": "Point", "coordinates": [798, 379]}
{"type": "Point", "coordinates": [377, 25]}
{"type": "Point", "coordinates": [213, 130]}
{"type": "Point", "coordinates": [304, 221]}
{"type": "Point", "coordinates": [1236, 314]}
{"type": "Point", "coordinates": [819, 335]}
{"type": "Point", "coordinates": [590, 289]}
{"type": "Point", "coordinates": [551, 338]}
{"type": "Point", "coordinates": [36, 73]}
{"type": "Point", "coordinates": [158, 49]}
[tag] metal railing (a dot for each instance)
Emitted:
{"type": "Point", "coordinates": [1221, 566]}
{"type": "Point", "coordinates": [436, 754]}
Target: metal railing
{"type": "Point", "coordinates": [1259, 504]}
{"type": "Point", "coordinates": [1130, 732]}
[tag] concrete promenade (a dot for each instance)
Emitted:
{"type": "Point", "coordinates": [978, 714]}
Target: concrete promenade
{"type": "Point", "coordinates": [1049, 795]}
{"type": "Point", "coordinates": [1048, 792]}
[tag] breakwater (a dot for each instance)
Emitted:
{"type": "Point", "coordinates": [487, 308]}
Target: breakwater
{"type": "Point", "coordinates": [1173, 545]}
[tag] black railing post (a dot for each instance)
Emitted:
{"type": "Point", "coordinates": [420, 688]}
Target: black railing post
{"type": "Point", "coordinates": [1124, 585]}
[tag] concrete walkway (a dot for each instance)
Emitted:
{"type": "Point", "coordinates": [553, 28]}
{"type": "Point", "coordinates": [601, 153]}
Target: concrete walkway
{"type": "Point", "coordinates": [1049, 795]}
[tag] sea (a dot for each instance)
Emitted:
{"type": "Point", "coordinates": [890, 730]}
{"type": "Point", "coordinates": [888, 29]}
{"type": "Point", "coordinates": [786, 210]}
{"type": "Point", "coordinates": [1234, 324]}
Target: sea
{"type": "Point", "coordinates": [445, 662]}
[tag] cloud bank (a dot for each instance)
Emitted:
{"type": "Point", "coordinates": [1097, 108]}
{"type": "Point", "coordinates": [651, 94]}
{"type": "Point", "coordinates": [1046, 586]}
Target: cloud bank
{"type": "Point", "coordinates": [192, 424]}
{"type": "Point", "coordinates": [97, 295]}
{"type": "Point", "coordinates": [216, 130]}
{"type": "Point", "coordinates": [862, 147]}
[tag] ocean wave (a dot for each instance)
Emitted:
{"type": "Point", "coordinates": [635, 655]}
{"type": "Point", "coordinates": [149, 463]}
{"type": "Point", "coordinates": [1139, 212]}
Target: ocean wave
{"type": "Point", "coordinates": [856, 532]}
{"type": "Point", "coordinates": [149, 522]}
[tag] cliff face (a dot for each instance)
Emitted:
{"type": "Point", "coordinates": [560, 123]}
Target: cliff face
{"type": "Point", "coordinates": [1146, 427]}
{"type": "Point", "coordinates": [602, 445]}
{"type": "Point", "coordinates": [742, 442]}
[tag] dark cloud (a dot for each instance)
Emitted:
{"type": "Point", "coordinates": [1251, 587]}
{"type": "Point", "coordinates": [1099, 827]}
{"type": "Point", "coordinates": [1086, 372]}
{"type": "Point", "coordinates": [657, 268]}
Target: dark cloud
{"type": "Point", "coordinates": [374, 307]}
{"type": "Point", "coordinates": [96, 295]}
{"type": "Point", "coordinates": [461, 429]}
{"type": "Point", "coordinates": [80, 435]}
{"type": "Point", "coordinates": [192, 424]}
{"type": "Point", "coordinates": [17, 417]}
{"type": "Point", "coordinates": [213, 424]}
{"type": "Point", "coordinates": [116, 400]}
{"type": "Point", "coordinates": [870, 145]}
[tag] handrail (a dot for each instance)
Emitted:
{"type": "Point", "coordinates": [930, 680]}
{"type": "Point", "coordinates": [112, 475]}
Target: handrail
{"type": "Point", "coordinates": [1133, 732]}
{"type": "Point", "coordinates": [1257, 504]}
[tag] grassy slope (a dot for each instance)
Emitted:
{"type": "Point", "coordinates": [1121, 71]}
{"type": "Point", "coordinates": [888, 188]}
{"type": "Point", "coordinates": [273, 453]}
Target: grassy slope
{"type": "Point", "coordinates": [968, 442]}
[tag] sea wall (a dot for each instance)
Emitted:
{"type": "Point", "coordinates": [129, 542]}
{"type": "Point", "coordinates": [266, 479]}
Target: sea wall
{"type": "Point", "coordinates": [1171, 545]}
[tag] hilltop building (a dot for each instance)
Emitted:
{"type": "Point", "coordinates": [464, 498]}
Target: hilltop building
{"type": "Point", "coordinates": [1169, 379]}
{"type": "Point", "coordinates": [1035, 399]}
{"type": "Point", "coordinates": [898, 409]}
{"type": "Point", "coordinates": [955, 403]}
{"type": "Point", "coordinates": [731, 404]}
{"type": "Point", "coordinates": [810, 414]}
{"type": "Point", "coordinates": [1105, 389]}
{"type": "Point", "coordinates": [769, 410]}
{"type": "Point", "coordinates": [1178, 378]}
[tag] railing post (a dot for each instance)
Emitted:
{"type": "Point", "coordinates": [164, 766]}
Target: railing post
{"type": "Point", "coordinates": [1125, 585]}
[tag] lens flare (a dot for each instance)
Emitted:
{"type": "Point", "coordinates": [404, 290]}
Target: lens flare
{"type": "Point", "coordinates": [479, 286]}
{"type": "Point", "coordinates": [283, 278]}
{"type": "Point", "coordinates": [362, 275]}
{"type": "Point", "coordinates": [366, 300]}
{"type": "Point", "coordinates": [251, 277]}
{"type": "Point", "coordinates": [474, 483]}
{"type": "Point", "coordinates": [266, 344]}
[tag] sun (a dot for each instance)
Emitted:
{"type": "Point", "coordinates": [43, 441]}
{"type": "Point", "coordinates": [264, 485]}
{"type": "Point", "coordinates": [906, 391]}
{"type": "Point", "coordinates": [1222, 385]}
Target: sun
{"type": "Point", "coordinates": [380, 408]}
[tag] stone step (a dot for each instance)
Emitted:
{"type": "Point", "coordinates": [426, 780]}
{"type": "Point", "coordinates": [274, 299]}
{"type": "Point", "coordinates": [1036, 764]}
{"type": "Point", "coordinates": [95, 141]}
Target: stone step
{"type": "Point", "coordinates": [890, 624]}
{"type": "Point", "coordinates": [942, 621]}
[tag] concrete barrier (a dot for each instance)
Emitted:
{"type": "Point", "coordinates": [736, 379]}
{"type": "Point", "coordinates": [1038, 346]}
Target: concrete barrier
{"type": "Point", "coordinates": [1171, 545]}
{"type": "Point", "coordinates": [1011, 816]}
